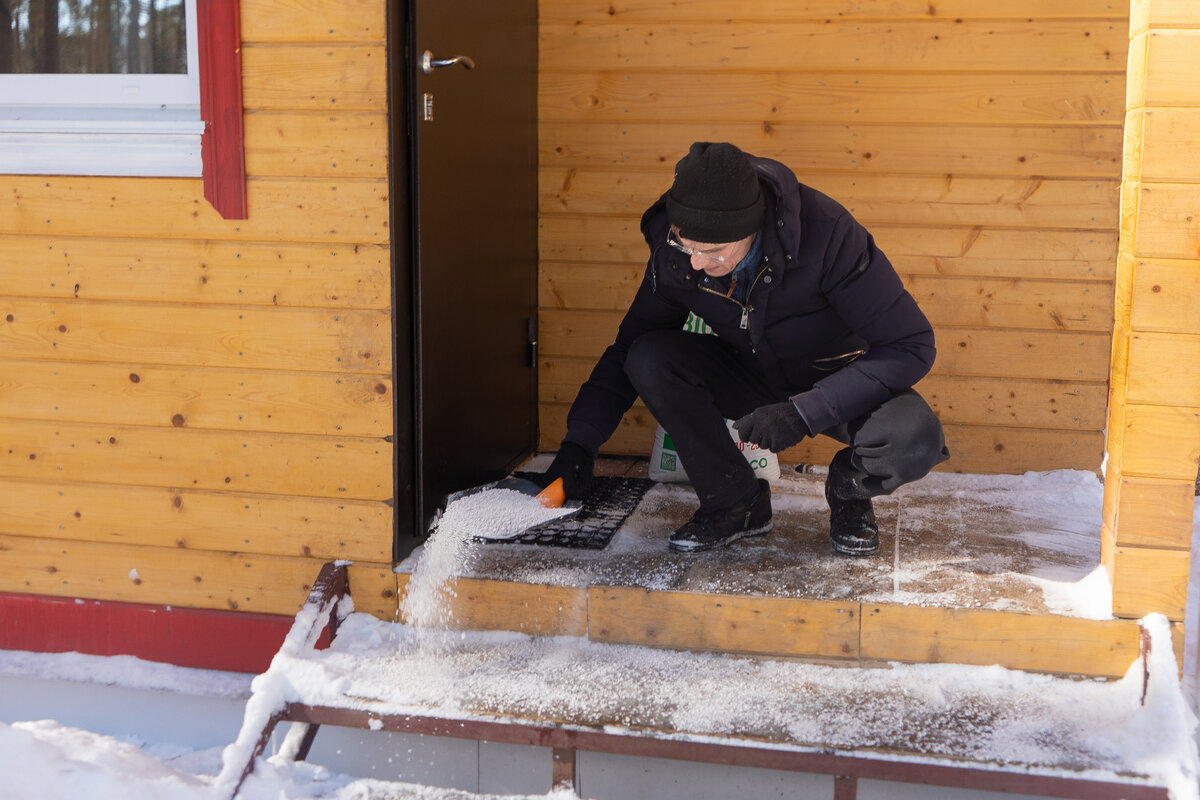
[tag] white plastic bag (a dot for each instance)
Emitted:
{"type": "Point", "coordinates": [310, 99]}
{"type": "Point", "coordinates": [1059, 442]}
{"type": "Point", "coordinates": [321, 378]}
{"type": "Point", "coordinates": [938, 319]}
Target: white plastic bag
{"type": "Point", "coordinates": [664, 460]}
{"type": "Point", "coordinates": [666, 466]}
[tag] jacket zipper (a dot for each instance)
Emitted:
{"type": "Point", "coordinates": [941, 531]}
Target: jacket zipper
{"type": "Point", "coordinates": [745, 322]}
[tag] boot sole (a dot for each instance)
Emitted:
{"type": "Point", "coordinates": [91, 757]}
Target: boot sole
{"type": "Point", "coordinates": [850, 550]}
{"type": "Point", "coordinates": [686, 546]}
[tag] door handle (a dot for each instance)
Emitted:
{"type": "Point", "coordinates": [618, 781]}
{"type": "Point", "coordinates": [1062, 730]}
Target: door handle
{"type": "Point", "coordinates": [429, 63]}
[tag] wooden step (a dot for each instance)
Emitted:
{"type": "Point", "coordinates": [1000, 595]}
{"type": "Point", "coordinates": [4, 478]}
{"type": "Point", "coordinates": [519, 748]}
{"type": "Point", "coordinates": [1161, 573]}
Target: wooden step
{"type": "Point", "coordinates": [971, 570]}
{"type": "Point", "coordinates": [962, 726]}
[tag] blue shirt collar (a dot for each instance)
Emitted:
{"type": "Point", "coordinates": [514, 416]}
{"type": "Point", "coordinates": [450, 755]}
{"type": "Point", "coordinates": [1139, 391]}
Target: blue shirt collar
{"type": "Point", "coordinates": [748, 265]}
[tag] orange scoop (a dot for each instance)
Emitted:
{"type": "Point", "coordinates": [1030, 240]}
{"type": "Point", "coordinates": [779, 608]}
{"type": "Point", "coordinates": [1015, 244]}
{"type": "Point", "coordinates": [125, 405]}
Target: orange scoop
{"type": "Point", "coordinates": [553, 496]}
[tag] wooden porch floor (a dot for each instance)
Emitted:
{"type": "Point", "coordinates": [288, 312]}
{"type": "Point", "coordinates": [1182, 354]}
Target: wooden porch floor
{"type": "Point", "coordinates": [971, 569]}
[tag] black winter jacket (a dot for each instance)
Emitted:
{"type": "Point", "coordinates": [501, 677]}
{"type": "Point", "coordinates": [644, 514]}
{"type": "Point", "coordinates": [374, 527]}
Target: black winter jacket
{"type": "Point", "coordinates": [827, 318]}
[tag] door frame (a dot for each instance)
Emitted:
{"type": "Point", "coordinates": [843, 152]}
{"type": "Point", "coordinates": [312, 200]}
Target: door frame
{"type": "Point", "coordinates": [409, 511]}
{"type": "Point", "coordinates": [405, 505]}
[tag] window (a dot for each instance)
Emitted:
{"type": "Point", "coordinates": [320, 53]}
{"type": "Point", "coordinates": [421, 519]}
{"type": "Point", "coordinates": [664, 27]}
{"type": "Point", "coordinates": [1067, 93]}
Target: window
{"type": "Point", "coordinates": [99, 87]}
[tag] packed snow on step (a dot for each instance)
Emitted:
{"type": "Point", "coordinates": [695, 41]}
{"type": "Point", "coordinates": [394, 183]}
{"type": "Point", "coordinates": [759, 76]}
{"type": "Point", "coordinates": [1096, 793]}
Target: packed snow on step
{"type": "Point", "coordinates": [933, 712]}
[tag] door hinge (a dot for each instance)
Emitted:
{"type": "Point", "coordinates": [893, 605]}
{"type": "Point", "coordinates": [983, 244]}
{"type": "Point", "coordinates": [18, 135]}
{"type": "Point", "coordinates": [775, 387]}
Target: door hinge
{"type": "Point", "coordinates": [531, 340]}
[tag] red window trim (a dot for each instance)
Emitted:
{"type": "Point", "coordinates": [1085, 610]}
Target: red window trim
{"type": "Point", "coordinates": [222, 145]}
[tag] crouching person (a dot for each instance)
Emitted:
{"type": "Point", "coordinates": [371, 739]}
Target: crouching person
{"type": "Point", "coordinates": [815, 335]}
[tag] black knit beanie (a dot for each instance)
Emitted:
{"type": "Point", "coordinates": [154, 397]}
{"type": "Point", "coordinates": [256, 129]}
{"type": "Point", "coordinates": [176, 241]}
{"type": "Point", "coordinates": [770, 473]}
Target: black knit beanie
{"type": "Point", "coordinates": [715, 197]}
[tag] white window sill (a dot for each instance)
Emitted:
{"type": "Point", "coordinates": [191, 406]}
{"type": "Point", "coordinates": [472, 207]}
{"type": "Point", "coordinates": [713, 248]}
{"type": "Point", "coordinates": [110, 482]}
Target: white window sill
{"type": "Point", "coordinates": [161, 142]}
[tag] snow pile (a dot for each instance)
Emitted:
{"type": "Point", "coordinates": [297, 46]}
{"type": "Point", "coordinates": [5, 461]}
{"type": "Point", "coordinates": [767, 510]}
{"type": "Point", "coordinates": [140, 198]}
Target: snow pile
{"type": "Point", "coordinates": [127, 671]}
{"type": "Point", "coordinates": [1160, 738]}
{"type": "Point", "coordinates": [933, 713]}
{"type": "Point", "coordinates": [47, 761]}
{"type": "Point", "coordinates": [1088, 598]}
{"type": "Point", "coordinates": [491, 514]}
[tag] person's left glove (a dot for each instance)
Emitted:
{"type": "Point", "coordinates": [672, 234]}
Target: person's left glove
{"type": "Point", "coordinates": [574, 465]}
{"type": "Point", "coordinates": [774, 427]}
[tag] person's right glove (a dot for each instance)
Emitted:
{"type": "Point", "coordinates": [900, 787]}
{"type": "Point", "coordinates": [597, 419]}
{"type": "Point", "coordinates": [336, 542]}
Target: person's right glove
{"type": "Point", "coordinates": [774, 427]}
{"type": "Point", "coordinates": [574, 465]}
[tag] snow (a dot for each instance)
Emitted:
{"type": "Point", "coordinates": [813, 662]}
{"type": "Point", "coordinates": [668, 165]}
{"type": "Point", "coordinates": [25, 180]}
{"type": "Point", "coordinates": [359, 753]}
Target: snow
{"type": "Point", "coordinates": [491, 513]}
{"type": "Point", "coordinates": [43, 760]}
{"type": "Point", "coordinates": [126, 671]}
{"type": "Point", "coordinates": [1014, 543]}
{"type": "Point", "coordinates": [942, 713]}
{"type": "Point", "coordinates": [1102, 728]}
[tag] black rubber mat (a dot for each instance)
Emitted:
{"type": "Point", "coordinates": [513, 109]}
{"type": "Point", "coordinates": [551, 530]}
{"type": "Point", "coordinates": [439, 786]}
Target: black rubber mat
{"type": "Point", "coordinates": [608, 503]}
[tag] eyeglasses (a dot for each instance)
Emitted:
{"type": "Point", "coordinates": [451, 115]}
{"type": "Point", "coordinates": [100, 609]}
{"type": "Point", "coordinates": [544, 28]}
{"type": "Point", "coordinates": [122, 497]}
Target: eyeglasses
{"type": "Point", "coordinates": [673, 240]}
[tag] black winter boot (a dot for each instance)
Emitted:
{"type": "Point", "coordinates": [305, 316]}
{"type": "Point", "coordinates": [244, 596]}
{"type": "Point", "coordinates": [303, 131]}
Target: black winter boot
{"type": "Point", "coordinates": [852, 527]}
{"type": "Point", "coordinates": [709, 530]}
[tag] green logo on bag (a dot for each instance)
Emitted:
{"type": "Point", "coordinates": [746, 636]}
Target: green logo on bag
{"type": "Point", "coordinates": [667, 462]}
{"type": "Point", "coordinates": [667, 443]}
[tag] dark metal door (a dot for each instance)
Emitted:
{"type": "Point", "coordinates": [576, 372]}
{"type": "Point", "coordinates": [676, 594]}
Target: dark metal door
{"type": "Point", "coordinates": [473, 73]}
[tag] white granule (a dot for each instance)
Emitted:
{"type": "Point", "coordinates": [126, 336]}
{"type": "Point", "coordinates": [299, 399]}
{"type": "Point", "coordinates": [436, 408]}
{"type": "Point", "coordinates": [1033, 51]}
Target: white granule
{"type": "Point", "coordinates": [492, 514]}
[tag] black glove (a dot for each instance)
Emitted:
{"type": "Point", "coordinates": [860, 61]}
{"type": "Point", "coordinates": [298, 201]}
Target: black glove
{"type": "Point", "coordinates": [574, 465]}
{"type": "Point", "coordinates": [775, 427]}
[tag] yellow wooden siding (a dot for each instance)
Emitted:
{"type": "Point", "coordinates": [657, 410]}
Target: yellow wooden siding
{"type": "Point", "coordinates": [198, 411]}
{"type": "Point", "coordinates": [198, 271]}
{"type": "Point", "coordinates": [775, 11]}
{"type": "Point", "coordinates": [982, 146]}
{"type": "Point", "coordinates": [1154, 407]}
{"type": "Point", "coordinates": [275, 401]}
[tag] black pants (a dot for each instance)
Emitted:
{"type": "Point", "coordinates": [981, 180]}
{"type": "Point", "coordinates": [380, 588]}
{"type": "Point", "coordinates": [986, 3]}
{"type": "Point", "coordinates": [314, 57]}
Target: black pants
{"type": "Point", "coordinates": [692, 383]}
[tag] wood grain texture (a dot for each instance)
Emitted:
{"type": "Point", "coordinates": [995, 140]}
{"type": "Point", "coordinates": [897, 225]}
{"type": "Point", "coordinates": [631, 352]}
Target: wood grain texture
{"type": "Point", "coordinates": [1165, 296]}
{"type": "Point", "coordinates": [314, 211]}
{"type": "Point", "coordinates": [190, 519]}
{"type": "Point", "coordinates": [597, 11]}
{"type": "Point", "coordinates": [1150, 581]}
{"type": "Point", "coordinates": [317, 77]}
{"type": "Point", "coordinates": [1059, 45]}
{"type": "Point", "coordinates": [317, 21]}
{"type": "Point", "coordinates": [1164, 149]}
{"type": "Point", "coordinates": [913, 249]}
{"type": "Point", "coordinates": [197, 271]}
{"type": "Point", "coordinates": [1162, 370]}
{"type": "Point", "coordinates": [217, 336]}
{"type": "Point", "coordinates": [1154, 512]}
{"type": "Point", "coordinates": [981, 145]}
{"type": "Point", "coordinates": [723, 623]}
{"type": "Point", "coordinates": [180, 458]}
{"type": "Point", "coordinates": [484, 604]}
{"type": "Point", "coordinates": [170, 576]}
{"type": "Point", "coordinates": [210, 400]}
{"type": "Point", "coordinates": [1158, 14]}
{"type": "Point", "coordinates": [264, 401]}
{"type": "Point", "coordinates": [1166, 223]}
{"type": "Point", "coordinates": [317, 144]}
{"type": "Point", "coordinates": [807, 96]}
{"type": "Point", "coordinates": [957, 150]}
{"type": "Point", "coordinates": [1019, 641]}
{"type": "Point", "coordinates": [1159, 442]}
{"type": "Point", "coordinates": [998, 202]}
{"type": "Point", "coordinates": [1171, 63]}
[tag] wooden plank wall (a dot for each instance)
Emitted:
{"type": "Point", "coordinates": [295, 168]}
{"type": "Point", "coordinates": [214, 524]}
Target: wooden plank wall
{"type": "Point", "coordinates": [1154, 410]}
{"type": "Point", "coordinates": [195, 411]}
{"type": "Point", "coordinates": [980, 142]}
